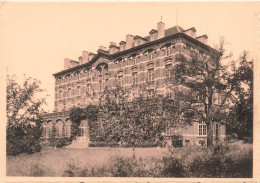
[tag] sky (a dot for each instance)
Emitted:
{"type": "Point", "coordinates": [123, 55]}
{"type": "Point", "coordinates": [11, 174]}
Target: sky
{"type": "Point", "coordinates": [36, 37]}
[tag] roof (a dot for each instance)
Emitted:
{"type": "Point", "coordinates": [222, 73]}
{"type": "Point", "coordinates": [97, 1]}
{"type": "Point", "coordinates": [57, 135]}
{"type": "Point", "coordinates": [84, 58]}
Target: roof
{"type": "Point", "coordinates": [168, 32]}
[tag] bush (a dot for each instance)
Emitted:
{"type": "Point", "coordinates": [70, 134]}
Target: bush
{"type": "Point", "coordinates": [177, 141]}
{"type": "Point", "coordinates": [59, 142]}
{"type": "Point", "coordinates": [23, 139]}
{"type": "Point", "coordinates": [248, 140]}
{"type": "Point", "coordinates": [173, 167]}
{"type": "Point", "coordinates": [232, 137]}
{"type": "Point", "coordinates": [103, 144]}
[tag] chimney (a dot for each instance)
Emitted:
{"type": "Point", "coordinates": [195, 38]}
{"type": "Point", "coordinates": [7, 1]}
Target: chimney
{"type": "Point", "coordinates": [203, 39]}
{"type": "Point", "coordinates": [113, 48]}
{"type": "Point", "coordinates": [122, 45]}
{"type": "Point", "coordinates": [90, 55]}
{"type": "Point", "coordinates": [160, 28]}
{"type": "Point", "coordinates": [102, 48]}
{"type": "Point", "coordinates": [191, 32]}
{"type": "Point", "coordinates": [80, 60]}
{"type": "Point", "coordinates": [153, 34]}
{"type": "Point", "coordinates": [85, 57]}
{"type": "Point", "coordinates": [129, 41]}
{"type": "Point", "coordinates": [136, 41]}
{"type": "Point", "coordinates": [66, 63]}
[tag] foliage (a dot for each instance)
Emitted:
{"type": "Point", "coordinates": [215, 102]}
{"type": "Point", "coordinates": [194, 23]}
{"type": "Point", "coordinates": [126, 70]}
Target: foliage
{"type": "Point", "coordinates": [78, 114]}
{"type": "Point", "coordinates": [23, 115]}
{"type": "Point", "coordinates": [177, 141]}
{"type": "Point", "coordinates": [240, 118]}
{"type": "Point", "coordinates": [204, 82]}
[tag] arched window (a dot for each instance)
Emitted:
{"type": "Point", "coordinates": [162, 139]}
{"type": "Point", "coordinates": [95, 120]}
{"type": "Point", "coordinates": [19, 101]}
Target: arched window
{"type": "Point", "coordinates": [77, 74]}
{"type": "Point", "coordinates": [149, 53]}
{"type": "Point", "coordinates": [67, 129]}
{"type": "Point", "coordinates": [44, 131]}
{"type": "Point", "coordinates": [188, 46]}
{"type": "Point", "coordinates": [58, 128]}
{"type": "Point", "coordinates": [68, 78]}
{"type": "Point", "coordinates": [167, 47]}
{"type": "Point", "coordinates": [49, 127]}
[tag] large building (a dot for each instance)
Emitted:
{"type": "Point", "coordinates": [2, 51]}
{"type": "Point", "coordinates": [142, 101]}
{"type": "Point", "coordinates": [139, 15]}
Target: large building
{"type": "Point", "coordinates": [133, 63]}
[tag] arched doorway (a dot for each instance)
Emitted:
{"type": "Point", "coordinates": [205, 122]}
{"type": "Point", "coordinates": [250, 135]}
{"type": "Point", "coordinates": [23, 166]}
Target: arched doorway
{"type": "Point", "coordinates": [83, 134]}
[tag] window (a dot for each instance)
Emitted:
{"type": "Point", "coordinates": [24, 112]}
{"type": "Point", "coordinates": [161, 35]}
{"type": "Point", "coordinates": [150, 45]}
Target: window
{"type": "Point", "coordinates": [135, 78]}
{"type": "Point", "coordinates": [168, 71]}
{"type": "Point", "coordinates": [100, 86]}
{"type": "Point", "coordinates": [69, 92]}
{"type": "Point", "coordinates": [188, 46]}
{"type": "Point", "coordinates": [58, 128]}
{"type": "Point", "coordinates": [67, 128]}
{"type": "Point", "coordinates": [60, 94]}
{"type": "Point", "coordinates": [78, 90]}
{"type": "Point", "coordinates": [134, 60]}
{"type": "Point", "coordinates": [120, 81]}
{"type": "Point", "coordinates": [150, 92]}
{"type": "Point", "coordinates": [88, 88]}
{"type": "Point", "coordinates": [106, 82]}
{"type": "Point", "coordinates": [68, 78]}
{"type": "Point", "coordinates": [168, 50]}
{"type": "Point", "coordinates": [151, 55]}
{"type": "Point", "coordinates": [202, 128]}
{"type": "Point", "coordinates": [150, 74]}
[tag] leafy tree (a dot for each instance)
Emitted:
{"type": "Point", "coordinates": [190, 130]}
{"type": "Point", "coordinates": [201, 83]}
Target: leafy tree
{"type": "Point", "coordinates": [23, 115]}
{"type": "Point", "coordinates": [240, 118]}
{"type": "Point", "coordinates": [204, 83]}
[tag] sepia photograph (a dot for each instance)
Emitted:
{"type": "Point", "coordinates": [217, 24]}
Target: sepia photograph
{"type": "Point", "coordinates": [129, 89]}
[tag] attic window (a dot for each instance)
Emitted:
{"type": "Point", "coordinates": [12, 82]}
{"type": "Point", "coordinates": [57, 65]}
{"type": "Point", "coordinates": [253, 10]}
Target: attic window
{"type": "Point", "coordinates": [188, 46]}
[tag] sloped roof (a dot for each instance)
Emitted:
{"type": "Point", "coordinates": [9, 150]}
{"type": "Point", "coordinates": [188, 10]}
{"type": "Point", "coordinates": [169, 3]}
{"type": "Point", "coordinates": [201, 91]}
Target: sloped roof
{"type": "Point", "coordinates": [170, 31]}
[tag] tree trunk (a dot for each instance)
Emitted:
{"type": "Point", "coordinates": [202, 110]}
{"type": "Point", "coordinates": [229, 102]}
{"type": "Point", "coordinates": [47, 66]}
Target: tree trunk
{"type": "Point", "coordinates": [209, 134]}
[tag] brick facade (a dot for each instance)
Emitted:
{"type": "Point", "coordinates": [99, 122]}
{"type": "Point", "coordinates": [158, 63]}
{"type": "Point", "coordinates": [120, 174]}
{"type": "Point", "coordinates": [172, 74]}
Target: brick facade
{"type": "Point", "coordinates": [136, 62]}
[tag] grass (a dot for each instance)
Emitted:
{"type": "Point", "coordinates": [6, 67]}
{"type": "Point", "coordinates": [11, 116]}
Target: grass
{"type": "Point", "coordinates": [54, 161]}
{"type": "Point", "coordinates": [150, 162]}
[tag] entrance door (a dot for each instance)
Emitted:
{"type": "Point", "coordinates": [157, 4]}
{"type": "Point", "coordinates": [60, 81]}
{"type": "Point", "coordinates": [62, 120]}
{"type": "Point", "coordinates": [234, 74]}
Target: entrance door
{"type": "Point", "coordinates": [83, 131]}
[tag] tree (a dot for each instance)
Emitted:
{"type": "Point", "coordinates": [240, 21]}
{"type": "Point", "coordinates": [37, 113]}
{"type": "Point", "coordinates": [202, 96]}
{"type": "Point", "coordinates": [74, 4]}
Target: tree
{"type": "Point", "coordinates": [240, 117]}
{"type": "Point", "coordinates": [204, 83]}
{"type": "Point", "coordinates": [23, 116]}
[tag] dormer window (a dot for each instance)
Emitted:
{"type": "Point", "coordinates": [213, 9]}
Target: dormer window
{"type": "Point", "coordinates": [188, 46]}
{"type": "Point", "coordinates": [167, 47]}
{"type": "Point", "coordinates": [77, 75]}
{"type": "Point", "coordinates": [68, 78]}
{"type": "Point", "coordinates": [133, 58]}
{"type": "Point", "coordinates": [150, 53]}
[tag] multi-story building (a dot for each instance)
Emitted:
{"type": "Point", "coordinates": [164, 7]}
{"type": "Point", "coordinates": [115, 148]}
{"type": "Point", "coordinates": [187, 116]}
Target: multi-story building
{"type": "Point", "coordinates": [135, 62]}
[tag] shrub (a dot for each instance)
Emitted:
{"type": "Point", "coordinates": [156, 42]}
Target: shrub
{"type": "Point", "coordinates": [103, 144]}
{"type": "Point", "coordinates": [23, 139]}
{"type": "Point", "coordinates": [248, 140]}
{"type": "Point", "coordinates": [173, 167]}
{"type": "Point", "coordinates": [177, 141]}
{"type": "Point", "coordinates": [59, 142]}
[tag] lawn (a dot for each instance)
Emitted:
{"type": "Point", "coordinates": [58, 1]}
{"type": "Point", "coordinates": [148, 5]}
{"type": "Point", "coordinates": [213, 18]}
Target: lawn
{"type": "Point", "coordinates": [150, 162]}
{"type": "Point", "coordinates": [54, 161]}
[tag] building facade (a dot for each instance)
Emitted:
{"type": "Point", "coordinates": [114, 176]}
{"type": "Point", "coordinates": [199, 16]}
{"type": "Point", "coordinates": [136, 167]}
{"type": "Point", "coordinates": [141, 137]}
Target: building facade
{"type": "Point", "coordinates": [133, 64]}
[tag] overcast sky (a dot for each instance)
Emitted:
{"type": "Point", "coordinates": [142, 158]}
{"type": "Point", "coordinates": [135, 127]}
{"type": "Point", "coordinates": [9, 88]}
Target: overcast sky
{"type": "Point", "coordinates": [36, 37]}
